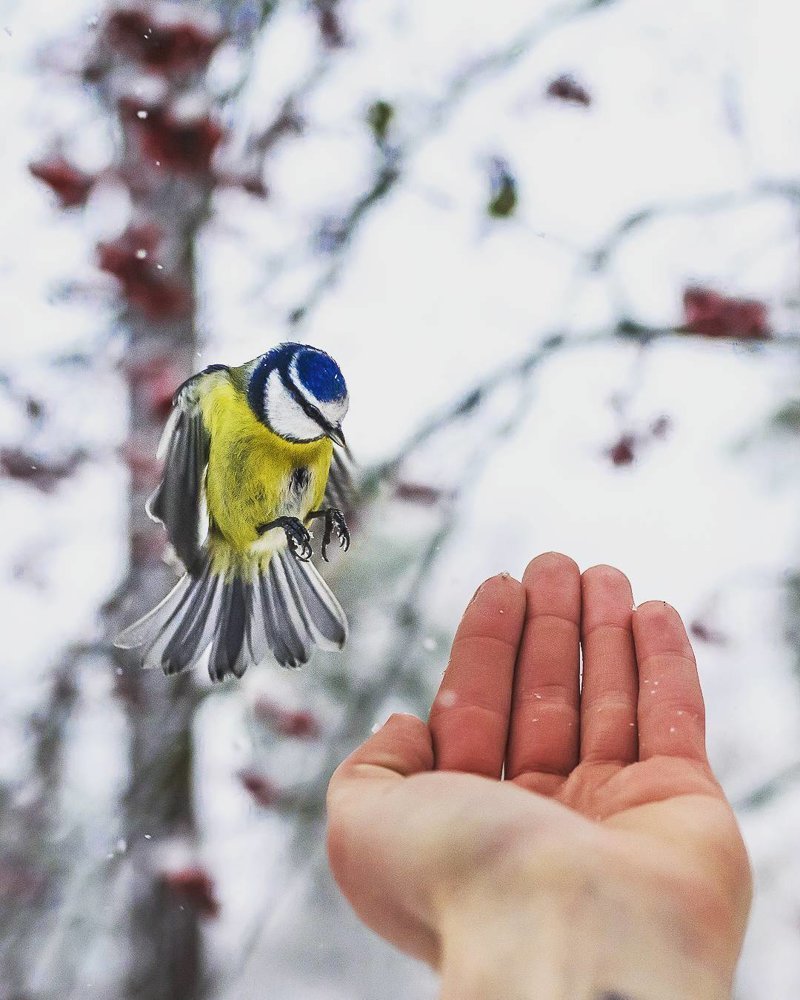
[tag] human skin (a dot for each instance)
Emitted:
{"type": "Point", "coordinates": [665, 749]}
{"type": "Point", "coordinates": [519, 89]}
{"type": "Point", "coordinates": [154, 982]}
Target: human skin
{"type": "Point", "coordinates": [606, 863]}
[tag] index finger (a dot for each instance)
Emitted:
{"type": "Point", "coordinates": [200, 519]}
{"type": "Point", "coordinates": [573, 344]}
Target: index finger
{"type": "Point", "coordinates": [544, 719]}
{"type": "Point", "coordinates": [469, 716]}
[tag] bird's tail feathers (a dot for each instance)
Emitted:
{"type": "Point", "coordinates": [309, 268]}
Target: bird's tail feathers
{"type": "Point", "coordinates": [280, 606]}
{"type": "Point", "coordinates": [292, 610]}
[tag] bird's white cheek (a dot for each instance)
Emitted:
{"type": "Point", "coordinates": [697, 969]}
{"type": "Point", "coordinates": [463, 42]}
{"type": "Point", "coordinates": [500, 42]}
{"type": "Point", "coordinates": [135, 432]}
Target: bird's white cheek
{"type": "Point", "coordinates": [285, 415]}
{"type": "Point", "coordinates": [335, 412]}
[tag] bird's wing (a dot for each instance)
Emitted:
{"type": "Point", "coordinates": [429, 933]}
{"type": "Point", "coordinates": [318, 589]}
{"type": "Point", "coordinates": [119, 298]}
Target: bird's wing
{"type": "Point", "coordinates": [340, 490]}
{"type": "Point", "coordinates": [179, 500]}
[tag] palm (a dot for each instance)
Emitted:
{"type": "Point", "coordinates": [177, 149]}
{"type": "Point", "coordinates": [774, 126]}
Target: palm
{"type": "Point", "coordinates": [658, 799]}
{"type": "Point", "coordinates": [601, 791]}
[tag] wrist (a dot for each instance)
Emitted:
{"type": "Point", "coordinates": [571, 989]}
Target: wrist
{"type": "Point", "coordinates": [579, 935]}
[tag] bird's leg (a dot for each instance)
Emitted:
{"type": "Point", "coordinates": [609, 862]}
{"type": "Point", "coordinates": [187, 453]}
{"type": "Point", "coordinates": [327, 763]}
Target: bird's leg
{"type": "Point", "coordinates": [334, 521]}
{"type": "Point", "coordinates": [297, 535]}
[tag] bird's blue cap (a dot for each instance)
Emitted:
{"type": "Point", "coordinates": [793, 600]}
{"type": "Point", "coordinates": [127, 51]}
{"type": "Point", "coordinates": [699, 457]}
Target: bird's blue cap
{"type": "Point", "coordinates": [319, 374]}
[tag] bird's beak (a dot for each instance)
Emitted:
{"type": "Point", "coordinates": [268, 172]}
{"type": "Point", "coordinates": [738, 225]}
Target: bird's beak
{"type": "Point", "coordinates": [336, 435]}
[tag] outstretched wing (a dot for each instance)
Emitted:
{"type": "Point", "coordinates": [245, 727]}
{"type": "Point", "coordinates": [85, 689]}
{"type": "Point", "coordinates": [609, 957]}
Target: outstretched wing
{"type": "Point", "coordinates": [340, 490]}
{"type": "Point", "coordinates": [179, 502]}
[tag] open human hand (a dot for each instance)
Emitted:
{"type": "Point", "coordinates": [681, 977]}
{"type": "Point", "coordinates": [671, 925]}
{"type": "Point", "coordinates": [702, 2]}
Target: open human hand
{"type": "Point", "coordinates": [539, 820]}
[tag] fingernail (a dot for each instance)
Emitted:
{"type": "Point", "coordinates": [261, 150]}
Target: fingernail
{"type": "Point", "coordinates": [498, 576]}
{"type": "Point", "coordinates": [381, 723]}
{"type": "Point", "coordinates": [474, 596]}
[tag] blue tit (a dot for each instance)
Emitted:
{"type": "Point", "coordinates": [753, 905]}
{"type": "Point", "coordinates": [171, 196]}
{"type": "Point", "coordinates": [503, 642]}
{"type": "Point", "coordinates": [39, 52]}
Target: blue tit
{"type": "Point", "coordinates": [249, 463]}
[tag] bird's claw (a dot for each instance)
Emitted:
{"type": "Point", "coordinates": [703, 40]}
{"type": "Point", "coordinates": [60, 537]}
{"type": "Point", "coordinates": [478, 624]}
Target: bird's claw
{"type": "Point", "coordinates": [334, 521]}
{"type": "Point", "coordinates": [298, 536]}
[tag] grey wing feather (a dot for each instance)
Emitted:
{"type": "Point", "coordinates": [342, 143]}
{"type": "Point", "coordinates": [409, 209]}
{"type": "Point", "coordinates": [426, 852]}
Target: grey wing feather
{"type": "Point", "coordinates": [340, 490]}
{"type": "Point", "coordinates": [178, 501]}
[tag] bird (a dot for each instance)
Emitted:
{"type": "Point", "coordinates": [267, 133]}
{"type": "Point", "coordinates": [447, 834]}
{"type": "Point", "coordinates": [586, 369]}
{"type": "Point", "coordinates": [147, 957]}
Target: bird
{"type": "Point", "coordinates": [252, 455]}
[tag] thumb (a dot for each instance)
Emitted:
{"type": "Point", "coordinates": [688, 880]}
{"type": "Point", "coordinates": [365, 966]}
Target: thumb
{"type": "Point", "coordinates": [400, 748]}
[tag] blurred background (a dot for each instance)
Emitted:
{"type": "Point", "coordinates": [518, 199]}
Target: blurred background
{"type": "Point", "coordinates": [555, 248]}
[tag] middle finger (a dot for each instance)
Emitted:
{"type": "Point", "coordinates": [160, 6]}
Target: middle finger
{"type": "Point", "coordinates": [544, 732]}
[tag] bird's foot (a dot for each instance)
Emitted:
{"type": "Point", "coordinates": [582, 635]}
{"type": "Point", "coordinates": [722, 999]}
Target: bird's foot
{"type": "Point", "coordinates": [334, 522]}
{"type": "Point", "coordinates": [297, 535]}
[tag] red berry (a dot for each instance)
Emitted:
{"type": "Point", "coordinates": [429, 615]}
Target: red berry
{"type": "Point", "coordinates": [622, 452]}
{"type": "Point", "coordinates": [263, 791]}
{"type": "Point", "coordinates": [195, 885]}
{"type": "Point", "coordinates": [70, 184]}
{"type": "Point", "coordinates": [711, 314]}
{"type": "Point", "coordinates": [567, 88]}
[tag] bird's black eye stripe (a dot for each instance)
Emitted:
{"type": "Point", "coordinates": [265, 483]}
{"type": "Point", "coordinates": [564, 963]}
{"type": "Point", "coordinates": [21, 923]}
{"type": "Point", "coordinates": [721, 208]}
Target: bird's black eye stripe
{"type": "Point", "coordinates": [309, 409]}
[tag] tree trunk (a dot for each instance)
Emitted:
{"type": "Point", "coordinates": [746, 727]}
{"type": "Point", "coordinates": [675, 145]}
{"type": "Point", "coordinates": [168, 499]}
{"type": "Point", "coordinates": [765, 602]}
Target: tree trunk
{"type": "Point", "coordinates": [165, 945]}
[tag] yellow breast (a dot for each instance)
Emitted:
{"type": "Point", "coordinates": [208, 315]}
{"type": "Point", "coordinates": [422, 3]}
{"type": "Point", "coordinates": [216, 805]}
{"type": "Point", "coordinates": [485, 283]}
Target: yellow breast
{"type": "Point", "coordinates": [253, 475]}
